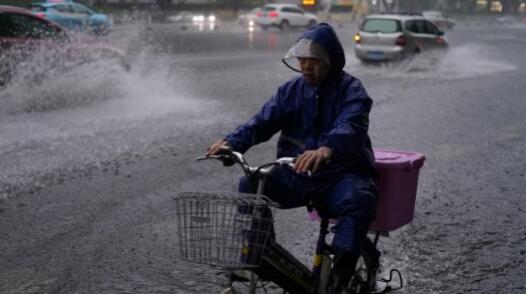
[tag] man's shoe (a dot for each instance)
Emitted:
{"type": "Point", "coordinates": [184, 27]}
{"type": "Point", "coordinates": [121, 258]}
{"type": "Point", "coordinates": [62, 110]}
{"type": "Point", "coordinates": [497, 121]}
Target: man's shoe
{"type": "Point", "coordinates": [342, 270]}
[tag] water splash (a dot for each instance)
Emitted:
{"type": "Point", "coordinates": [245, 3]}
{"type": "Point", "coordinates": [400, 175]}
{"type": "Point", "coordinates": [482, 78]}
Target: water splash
{"type": "Point", "coordinates": [471, 60]}
{"type": "Point", "coordinates": [54, 79]}
{"type": "Point", "coordinates": [97, 115]}
{"type": "Point", "coordinates": [466, 61]}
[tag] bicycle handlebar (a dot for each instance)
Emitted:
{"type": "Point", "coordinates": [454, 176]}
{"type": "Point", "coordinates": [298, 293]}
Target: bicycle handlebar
{"type": "Point", "coordinates": [230, 157]}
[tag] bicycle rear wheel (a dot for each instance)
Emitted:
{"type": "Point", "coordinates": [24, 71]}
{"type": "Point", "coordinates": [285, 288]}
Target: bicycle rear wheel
{"type": "Point", "coordinates": [364, 278]}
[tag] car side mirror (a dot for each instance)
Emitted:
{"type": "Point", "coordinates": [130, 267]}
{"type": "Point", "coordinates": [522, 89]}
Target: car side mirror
{"type": "Point", "coordinates": [440, 33]}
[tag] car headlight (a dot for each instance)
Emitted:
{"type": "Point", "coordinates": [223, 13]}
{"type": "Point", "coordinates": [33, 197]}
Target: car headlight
{"type": "Point", "coordinates": [198, 18]}
{"type": "Point", "coordinates": [212, 18]}
{"type": "Point", "coordinates": [357, 38]}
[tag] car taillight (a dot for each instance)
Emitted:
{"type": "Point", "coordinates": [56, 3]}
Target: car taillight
{"type": "Point", "coordinates": [41, 14]}
{"type": "Point", "coordinates": [273, 14]}
{"type": "Point", "coordinates": [357, 38]}
{"type": "Point", "coordinates": [259, 14]}
{"type": "Point", "coordinates": [401, 41]}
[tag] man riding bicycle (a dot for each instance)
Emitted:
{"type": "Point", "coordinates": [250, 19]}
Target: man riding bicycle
{"type": "Point", "coordinates": [323, 116]}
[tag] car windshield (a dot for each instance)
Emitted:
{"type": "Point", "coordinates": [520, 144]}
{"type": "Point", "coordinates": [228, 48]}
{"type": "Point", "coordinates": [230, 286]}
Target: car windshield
{"type": "Point", "coordinates": [81, 9]}
{"type": "Point", "coordinates": [37, 8]}
{"type": "Point", "coordinates": [377, 25]}
{"type": "Point", "coordinates": [269, 8]}
{"type": "Point", "coordinates": [432, 14]}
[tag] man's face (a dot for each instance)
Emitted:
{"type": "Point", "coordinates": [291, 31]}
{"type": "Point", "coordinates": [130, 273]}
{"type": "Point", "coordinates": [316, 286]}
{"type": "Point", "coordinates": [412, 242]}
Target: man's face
{"type": "Point", "coordinates": [314, 70]}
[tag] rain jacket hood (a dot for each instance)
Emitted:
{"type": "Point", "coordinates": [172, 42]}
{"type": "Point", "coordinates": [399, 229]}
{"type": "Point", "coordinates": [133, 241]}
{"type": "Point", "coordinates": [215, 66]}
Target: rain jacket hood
{"type": "Point", "coordinates": [319, 36]}
{"type": "Point", "coordinates": [334, 114]}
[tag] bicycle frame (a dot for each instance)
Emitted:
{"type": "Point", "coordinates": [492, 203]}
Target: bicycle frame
{"type": "Point", "coordinates": [280, 266]}
{"type": "Point", "coordinates": [296, 277]}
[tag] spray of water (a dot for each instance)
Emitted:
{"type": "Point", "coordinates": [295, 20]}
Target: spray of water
{"type": "Point", "coordinates": [31, 91]}
{"type": "Point", "coordinates": [91, 116]}
{"type": "Point", "coordinates": [466, 61]}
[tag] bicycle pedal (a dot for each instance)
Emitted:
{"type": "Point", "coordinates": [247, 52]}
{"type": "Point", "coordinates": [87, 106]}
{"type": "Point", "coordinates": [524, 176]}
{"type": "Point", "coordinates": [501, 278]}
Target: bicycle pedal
{"type": "Point", "coordinates": [228, 290]}
{"type": "Point", "coordinates": [241, 275]}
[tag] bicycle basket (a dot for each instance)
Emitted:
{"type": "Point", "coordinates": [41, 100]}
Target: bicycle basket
{"type": "Point", "coordinates": [225, 229]}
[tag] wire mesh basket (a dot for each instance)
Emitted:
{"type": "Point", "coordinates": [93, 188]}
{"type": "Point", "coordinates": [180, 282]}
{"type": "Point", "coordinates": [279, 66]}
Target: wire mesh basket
{"type": "Point", "coordinates": [225, 229]}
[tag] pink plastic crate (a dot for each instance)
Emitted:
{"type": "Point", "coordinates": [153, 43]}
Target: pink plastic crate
{"type": "Point", "coordinates": [397, 184]}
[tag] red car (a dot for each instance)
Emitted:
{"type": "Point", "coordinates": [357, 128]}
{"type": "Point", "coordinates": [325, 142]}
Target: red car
{"type": "Point", "coordinates": [25, 36]}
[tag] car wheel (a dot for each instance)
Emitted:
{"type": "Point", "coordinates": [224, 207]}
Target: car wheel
{"type": "Point", "coordinates": [284, 25]}
{"type": "Point", "coordinates": [311, 23]}
{"type": "Point", "coordinates": [100, 30]}
{"type": "Point", "coordinates": [418, 48]}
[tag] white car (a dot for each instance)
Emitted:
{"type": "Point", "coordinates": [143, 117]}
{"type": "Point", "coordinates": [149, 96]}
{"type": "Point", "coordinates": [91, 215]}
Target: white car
{"type": "Point", "coordinates": [198, 21]}
{"type": "Point", "coordinates": [391, 37]}
{"type": "Point", "coordinates": [181, 17]}
{"type": "Point", "coordinates": [284, 16]}
{"type": "Point", "coordinates": [506, 19]}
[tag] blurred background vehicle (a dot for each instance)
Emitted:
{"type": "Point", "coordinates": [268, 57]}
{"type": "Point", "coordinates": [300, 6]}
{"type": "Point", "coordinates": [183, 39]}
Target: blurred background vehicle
{"type": "Point", "coordinates": [26, 38]}
{"type": "Point", "coordinates": [395, 36]}
{"type": "Point", "coordinates": [439, 19]}
{"type": "Point", "coordinates": [73, 16]}
{"type": "Point", "coordinates": [181, 17]}
{"type": "Point", "coordinates": [284, 16]}
{"type": "Point", "coordinates": [199, 20]}
{"type": "Point", "coordinates": [505, 20]}
{"type": "Point", "coordinates": [249, 18]}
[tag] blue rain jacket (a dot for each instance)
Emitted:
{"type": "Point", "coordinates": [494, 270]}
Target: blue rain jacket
{"type": "Point", "coordinates": [335, 114]}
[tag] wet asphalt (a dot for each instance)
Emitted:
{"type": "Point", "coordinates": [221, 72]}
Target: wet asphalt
{"type": "Point", "coordinates": [92, 211]}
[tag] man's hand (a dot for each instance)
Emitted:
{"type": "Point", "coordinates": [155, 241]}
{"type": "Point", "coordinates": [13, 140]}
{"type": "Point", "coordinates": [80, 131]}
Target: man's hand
{"type": "Point", "coordinates": [216, 147]}
{"type": "Point", "coordinates": [312, 159]}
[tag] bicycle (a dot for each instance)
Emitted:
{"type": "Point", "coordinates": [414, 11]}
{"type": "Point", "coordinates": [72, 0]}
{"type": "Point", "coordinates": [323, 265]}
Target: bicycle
{"type": "Point", "coordinates": [234, 232]}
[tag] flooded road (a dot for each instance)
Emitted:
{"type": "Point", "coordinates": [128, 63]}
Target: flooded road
{"type": "Point", "coordinates": [89, 162]}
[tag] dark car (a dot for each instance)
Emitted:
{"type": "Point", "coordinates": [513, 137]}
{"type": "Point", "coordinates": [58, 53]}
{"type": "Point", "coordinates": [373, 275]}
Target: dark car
{"type": "Point", "coordinates": [25, 36]}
